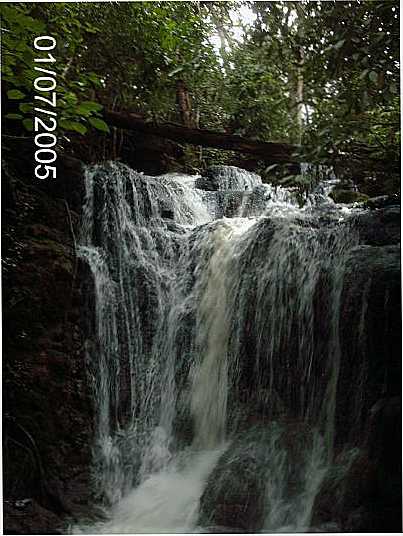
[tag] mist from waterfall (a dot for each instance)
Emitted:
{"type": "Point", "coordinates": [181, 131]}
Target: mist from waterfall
{"type": "Point", "coordinates": [214, 340]}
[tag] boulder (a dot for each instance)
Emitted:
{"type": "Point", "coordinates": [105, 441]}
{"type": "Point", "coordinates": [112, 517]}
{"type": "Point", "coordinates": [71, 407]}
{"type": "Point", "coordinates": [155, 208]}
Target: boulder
{"type": "Point", "coordinates": [347, 196]}
{"type": "Point", "coordinates": [234, 495]}
{"type": "Point", "coordinates": [379, 227]}
{"type": "Point", "coordinates": [382, 201]}
{"type": "Point", "coordinates": [360, 492]}
{"type": "Point", "coordinates": [237, 494]}
{"type": "Point", "coordinates": [227, 178]}
{"type": "Point", "coordinates": [346, 492]}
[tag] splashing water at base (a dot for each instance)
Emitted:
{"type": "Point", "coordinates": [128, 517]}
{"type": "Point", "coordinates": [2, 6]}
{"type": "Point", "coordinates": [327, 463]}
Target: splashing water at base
{"type": "Point", "coordinates": [166, 501]}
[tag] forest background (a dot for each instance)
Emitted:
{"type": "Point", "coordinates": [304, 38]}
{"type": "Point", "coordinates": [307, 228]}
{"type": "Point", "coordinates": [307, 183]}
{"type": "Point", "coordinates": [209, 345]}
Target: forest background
{"type": "Point", "coordinates": [322, 76]}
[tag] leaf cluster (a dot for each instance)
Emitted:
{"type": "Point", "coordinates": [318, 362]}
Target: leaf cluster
{"type": "Point", "coordinates": [20, 24]}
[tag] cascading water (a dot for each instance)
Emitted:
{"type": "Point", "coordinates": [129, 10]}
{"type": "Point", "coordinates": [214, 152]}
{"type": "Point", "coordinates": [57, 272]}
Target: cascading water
{"type": "Point", "coordinates": [215, 345]}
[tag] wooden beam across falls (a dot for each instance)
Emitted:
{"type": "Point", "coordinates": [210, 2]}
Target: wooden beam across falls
{"type": "Point", "coordinates": [270, 152]}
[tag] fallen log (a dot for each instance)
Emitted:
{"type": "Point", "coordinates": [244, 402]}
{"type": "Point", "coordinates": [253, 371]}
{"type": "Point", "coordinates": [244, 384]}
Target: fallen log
{"type": "Point", "coordinates": [270, 152]}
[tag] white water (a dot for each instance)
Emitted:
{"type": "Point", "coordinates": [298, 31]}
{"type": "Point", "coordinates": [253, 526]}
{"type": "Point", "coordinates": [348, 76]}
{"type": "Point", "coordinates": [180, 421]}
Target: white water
{"type": "Point", "coordinates": [167, 501]}
{"type": "Point", "coordinates": [181, 296]}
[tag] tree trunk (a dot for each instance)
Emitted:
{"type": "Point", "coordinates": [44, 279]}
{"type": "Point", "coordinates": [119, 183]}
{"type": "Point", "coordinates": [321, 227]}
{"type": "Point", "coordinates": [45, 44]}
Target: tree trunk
{"type": "Point", "coordinates": [300, 90]}
{"type": "Point", "coordinates": [269, 152]}
{"type": "Point", "coordinates": [184, 104]}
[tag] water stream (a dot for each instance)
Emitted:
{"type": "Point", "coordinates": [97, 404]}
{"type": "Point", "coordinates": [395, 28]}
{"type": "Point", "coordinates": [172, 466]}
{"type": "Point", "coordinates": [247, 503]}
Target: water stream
{"type": "Point", "coordinates": [214, 349]}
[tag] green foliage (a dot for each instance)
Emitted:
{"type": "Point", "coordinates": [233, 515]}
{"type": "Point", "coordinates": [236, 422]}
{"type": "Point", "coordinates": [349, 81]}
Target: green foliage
{"type": "Point", "coordinates": [324, 74]}
{"type": "Point", "coordinates": [352, 76]}
{"type": "Point", "coordinates": [156, 44]}
{"type": "Point", "coordinates": [125, 55]}
{"type": "Point", "coordinates": [15, 94]}
{"type": "Point", "coordinates": [99, 124]}
{"type": "Point", "coordinates": [347, 55]}
{"type": "Point", "coordinates": [258, 105]}
{"type": "Point", "coordinates": [21, 23]}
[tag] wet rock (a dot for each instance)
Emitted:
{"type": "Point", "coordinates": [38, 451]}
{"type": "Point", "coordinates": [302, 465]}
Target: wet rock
{"type": "Point", "coordinates": [47, 397]}
{"type": "Point", "coordinates": [365, 494]}
{"type": "Point", "coordinates": [32, 519]}
{"type": "Point", "coordinates": [217, 529]}
{"type": "Point", "coordinates": [346, 493]}
{"type": "Point", "coordinates": [326, 527]}
{"type": "Point", "coordinates": [347, 196]}
{"type": "Point", "coordinates": [379, 227]}
{"type": "Point", "coordinates": [166, 210]}
{"type": "Point", "coordinates": [384, 442]}
{"type": "Point", "coordinates": [370, 337]}
{"type": "Point", "coordinates": [351, 495]}
{"type": "Point", "coordinates": [206, 182]}
{"type": "Point", "coordinates": [175, 228]}
{"type": "Point", "coordinates": [228, 204]}
{"type": "Point", "coordinates": [383, 201]}
{"type": "Point", "coordinates": [227, 178]}
{"type": "Point", "coordinates": [236, 493]}
{"type": "Point", "coordinates": [384, 434]}
{"type": "Point", "coordinates": [359, 520]}
{"type": "Point", "coordinates": [167, 213]}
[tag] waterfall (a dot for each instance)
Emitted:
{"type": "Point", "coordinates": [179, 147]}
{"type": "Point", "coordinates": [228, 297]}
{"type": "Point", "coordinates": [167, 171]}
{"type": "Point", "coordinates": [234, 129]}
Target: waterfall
{"type": "Point", "coordinates": [215, 337]}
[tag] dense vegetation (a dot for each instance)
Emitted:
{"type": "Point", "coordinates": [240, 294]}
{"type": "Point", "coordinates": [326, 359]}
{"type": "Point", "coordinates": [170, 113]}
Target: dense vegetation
{"type": "Point", "coordinates": [321, 74]}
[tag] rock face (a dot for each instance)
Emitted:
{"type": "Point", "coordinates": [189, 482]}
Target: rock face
{"type": "Point", "coordinates": [370, 340]}
{"type": "Point", "coordinates": [234, 495]}
{"type": "Point", "coordinates": [362, 490]}
{"type": "Point", "coordinates": [379, 227]}
{"type": "Point", "coordinates": [240, 491]}
{"type": "Point", "coordinates": [346, 494]}
{"type": "Point", "coordinates": [370, 322]}
{"type": "Point", "coordinates": [47, 402]}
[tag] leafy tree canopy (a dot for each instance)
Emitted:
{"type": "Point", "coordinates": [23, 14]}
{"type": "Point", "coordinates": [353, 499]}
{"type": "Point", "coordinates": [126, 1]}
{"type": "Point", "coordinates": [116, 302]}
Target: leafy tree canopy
{"type": "Point", "coordinates": [323, 74]}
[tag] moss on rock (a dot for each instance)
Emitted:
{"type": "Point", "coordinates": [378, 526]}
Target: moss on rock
{"type": "Point", "coordinates": [347, 196]}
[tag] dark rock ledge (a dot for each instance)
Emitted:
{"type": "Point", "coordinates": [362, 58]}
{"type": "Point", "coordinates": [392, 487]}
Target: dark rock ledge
{"type": "Point", "coordinates": [46, 395]}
